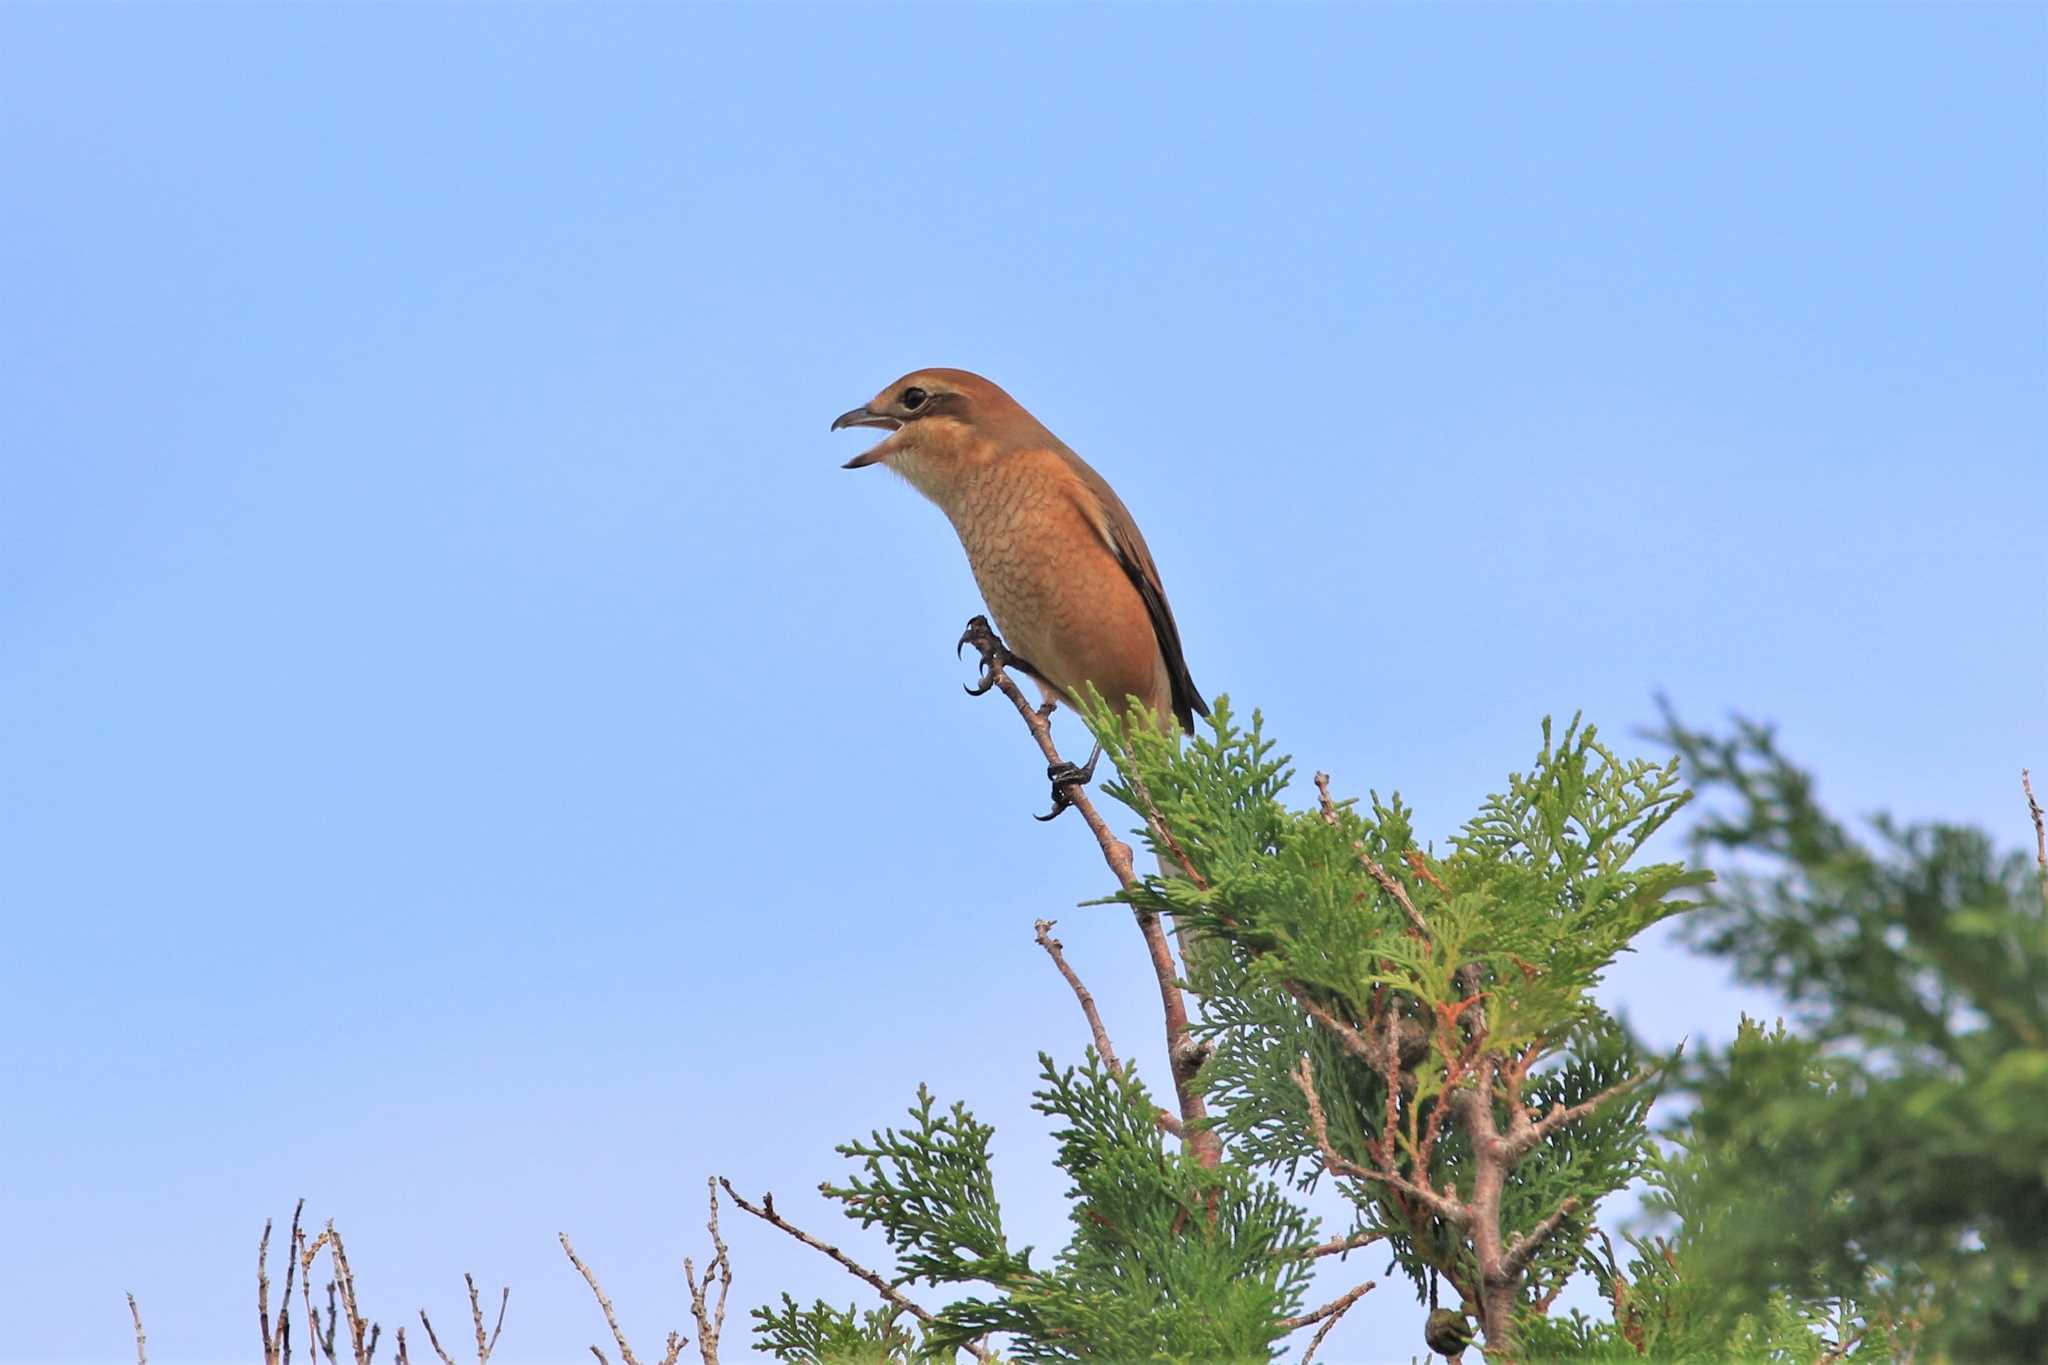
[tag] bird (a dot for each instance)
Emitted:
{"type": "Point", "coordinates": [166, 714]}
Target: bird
{"type": "Point", "coordinates": [1059, 559]}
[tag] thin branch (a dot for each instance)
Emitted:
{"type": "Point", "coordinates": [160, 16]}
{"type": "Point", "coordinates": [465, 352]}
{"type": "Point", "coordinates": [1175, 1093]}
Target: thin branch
{"type": "Point", "coordinates": [1524, 1247]}
{"type": "Point", "coordinates": [1387, 881]}
{"type": "Point", "coordinates": [277, 1343]}
{"type": "Point", "coordinates": [435, 1341]}
{"type": "Point", "coordinates": [302, 1257]}
{"type": "Point", "coordinates": [710, 1325]}
{"type": "Point", "coordinates": [484, 1345]}
{"type": "Point", "coordinates": [765, 1211]}
{"type": "Point", "coordinates": [1448, 1209]}
{"type": "Point", "coordinates": [364, 1346]}
{"type": "Point", "coordinates": [2040, 831]}
{"type": "Point", "coordinates": [1355, 1043]}
{"type": "Point", "coordinates": [1053, 949]}
{"type": "Point", "coordinates": [994, 657]}
{"type": "Point", "coordinates": [141, 1341]}
{"type": "Point", "coordinates": [1326, 1315]}
{"type": "Point", "coordinates": [1525, 1135]}
{"type": "Point", "coordinates": [1337, 1246]}
{"type": "Point", "coordinates": [1157, 825]}
{"type": "Point", "coordinates": [484, 1348]}
{"type": "Point", "coordinates": [676, 1341]}
{"type": "Point", "coordinates": [1194, 1110]}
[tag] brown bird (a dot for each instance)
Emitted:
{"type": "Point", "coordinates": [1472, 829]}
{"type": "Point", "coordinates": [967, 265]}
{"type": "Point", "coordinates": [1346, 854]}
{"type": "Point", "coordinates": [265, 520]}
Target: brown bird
{"type": "Point", "coordinates": [1059, 560]}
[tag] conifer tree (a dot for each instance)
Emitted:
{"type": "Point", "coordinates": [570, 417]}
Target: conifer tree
{"type": "Point", "coordinates": [1415, 1027]}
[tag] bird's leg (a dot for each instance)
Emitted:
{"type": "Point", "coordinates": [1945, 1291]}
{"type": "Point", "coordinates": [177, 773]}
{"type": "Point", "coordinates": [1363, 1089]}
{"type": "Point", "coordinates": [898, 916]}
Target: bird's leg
{"type": "Point", "coordinates": [1064, 778]}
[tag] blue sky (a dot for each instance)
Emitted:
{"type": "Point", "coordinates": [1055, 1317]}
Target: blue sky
{"type": "Point", "coordinates": [474, 760]}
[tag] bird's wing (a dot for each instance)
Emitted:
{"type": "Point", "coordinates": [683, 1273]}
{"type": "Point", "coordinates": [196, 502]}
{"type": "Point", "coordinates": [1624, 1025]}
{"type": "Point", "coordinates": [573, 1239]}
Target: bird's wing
{"type": "Point", "coordinates": [1106, 512]}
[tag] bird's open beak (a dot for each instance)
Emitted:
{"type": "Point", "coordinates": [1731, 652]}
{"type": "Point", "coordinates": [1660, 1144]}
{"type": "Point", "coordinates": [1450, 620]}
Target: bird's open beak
{"type": "Point", "coordinates": [864, 417]}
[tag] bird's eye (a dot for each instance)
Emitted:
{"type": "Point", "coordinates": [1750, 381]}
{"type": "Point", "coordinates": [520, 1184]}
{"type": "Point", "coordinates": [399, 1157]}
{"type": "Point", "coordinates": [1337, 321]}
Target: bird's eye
{"type": "Point", "coordinates": [913, 399]}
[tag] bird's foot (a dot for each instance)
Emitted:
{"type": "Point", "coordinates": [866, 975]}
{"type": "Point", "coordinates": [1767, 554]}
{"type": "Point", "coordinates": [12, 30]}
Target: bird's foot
{"type": "Point", "coordinates": [995, 655]}
{"type": "Point", "coordinates": [1067, 779]}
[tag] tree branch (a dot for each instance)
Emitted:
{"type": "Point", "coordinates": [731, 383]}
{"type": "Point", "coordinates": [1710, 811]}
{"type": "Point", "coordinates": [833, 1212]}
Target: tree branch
{"type": "Point", "coordinates": [1448, 1209]}
{"type": "Point", "coordinates": [1053, 948]}
{"type": "Point", "coordinates": [1525, 1135]}
{"type": "Point", "coordinates": [676, 1341]}
{"type": "Point", "coordinates": [1181, 1056]}
{"type": "Point", "coordinates": [1327, 1315]}
{"type": "Point", "coordinates": [476, 1316]}
{"type": "Point", "coordinates": [765, 1211]}
{"type": "Point", "coordinates": [277, 1344]}
{"type": "Point", "coordinates": [484, 1345]}
{"type": "Point", "coordinates": [709, 1326]}
{"type": "Point", "coordinates": [2040, 832]}
{"type": "Point", "coordinates": [433, 1340]}
{"type": "Point", "coordinates": [1526, 1246]}
{"type": "Point", "coordinates": [1388, 882]}
{"type": "Point", "coordinates": [141, 1341]}
{"type": "Point", "coordinates": [362, 1344]}
{"type": "Point", "coordinates": [1337, 1246]}
{"type": "Point", "coordinates": [1355, 1043]}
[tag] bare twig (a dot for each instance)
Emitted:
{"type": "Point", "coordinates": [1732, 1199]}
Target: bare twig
{"type": "Point", "coordinates": [1355, 1043]}
{"type": "Point", "coordinates": [141, 1341]}
{"type": "Point", "coordinates": [277, 1343]}
{"type": "Point", "coordinates": [1157, 824]}
{"type": "Point", "coordinates": [1387, 881]}
{"type": "Point", "coordinates": [1524, 1135]}
{"type": "Point", "coordinates": [1326, 1315]}
{"type": "Point", "coordinates": [435, 1341]}
{"type": "Point", "coordinates": [1523, 1248]}
{"type": "Point", "coordinates": [2040, 831]}
{"type": "Point", "coordinates": [302, 1257]}
{"type": "Point", "coordinates": [1053, 949]}
{"type": "Point", "coordinates": [710, 1323]}
{"type": "Point", "coordinates": [1184, 1058]}
{"type": "Point", "coordinates": [362, 1334]}
{"type": "Point", "coordinates": [676, 1341]}
{"type": "Point", "coordinates": [484, 1345]}
{"type": "Point", "coordinates": [476, 1316]}
{"type": "Point", "coordinates": [1337, 1246]}
{"type": "Point", "coordinates": [765, 1211]}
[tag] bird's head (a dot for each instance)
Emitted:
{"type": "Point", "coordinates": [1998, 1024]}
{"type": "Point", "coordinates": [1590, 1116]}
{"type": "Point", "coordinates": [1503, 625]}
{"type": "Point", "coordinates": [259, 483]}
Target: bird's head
{"type": "Point", "coordinates": [938, 416]}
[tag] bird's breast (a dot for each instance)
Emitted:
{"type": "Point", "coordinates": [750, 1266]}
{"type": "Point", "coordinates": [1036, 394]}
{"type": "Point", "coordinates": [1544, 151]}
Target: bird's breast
{"type": "Point", "coordinates": [1059, 596]}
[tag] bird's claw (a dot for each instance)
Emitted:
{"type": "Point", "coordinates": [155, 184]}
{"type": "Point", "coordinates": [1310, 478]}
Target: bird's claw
{"type": "Point", "coordinates": [1066, 779]}
{"type": "Point", "coordinates": [995, 656]}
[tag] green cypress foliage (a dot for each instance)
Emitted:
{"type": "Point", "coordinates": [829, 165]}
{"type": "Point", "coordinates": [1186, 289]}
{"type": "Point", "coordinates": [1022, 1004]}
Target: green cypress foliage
{"type": "Point", "coordinates": [1416, 1029]}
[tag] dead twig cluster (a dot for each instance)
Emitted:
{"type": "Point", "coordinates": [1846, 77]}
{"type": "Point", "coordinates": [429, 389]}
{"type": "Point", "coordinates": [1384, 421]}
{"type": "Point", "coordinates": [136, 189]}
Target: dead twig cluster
{"type": "Point", "coordinates": [2040, 832]}
{"type": "Point", "coordinates": [343, 1306]}
{"type": "Point", "coordinates": [710, 1315]}
{"type": "Point", "coordinates": [476, 1317]}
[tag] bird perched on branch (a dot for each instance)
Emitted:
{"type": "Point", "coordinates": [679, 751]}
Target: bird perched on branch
{"type": "Point", "coordinates": [1057, 556]}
